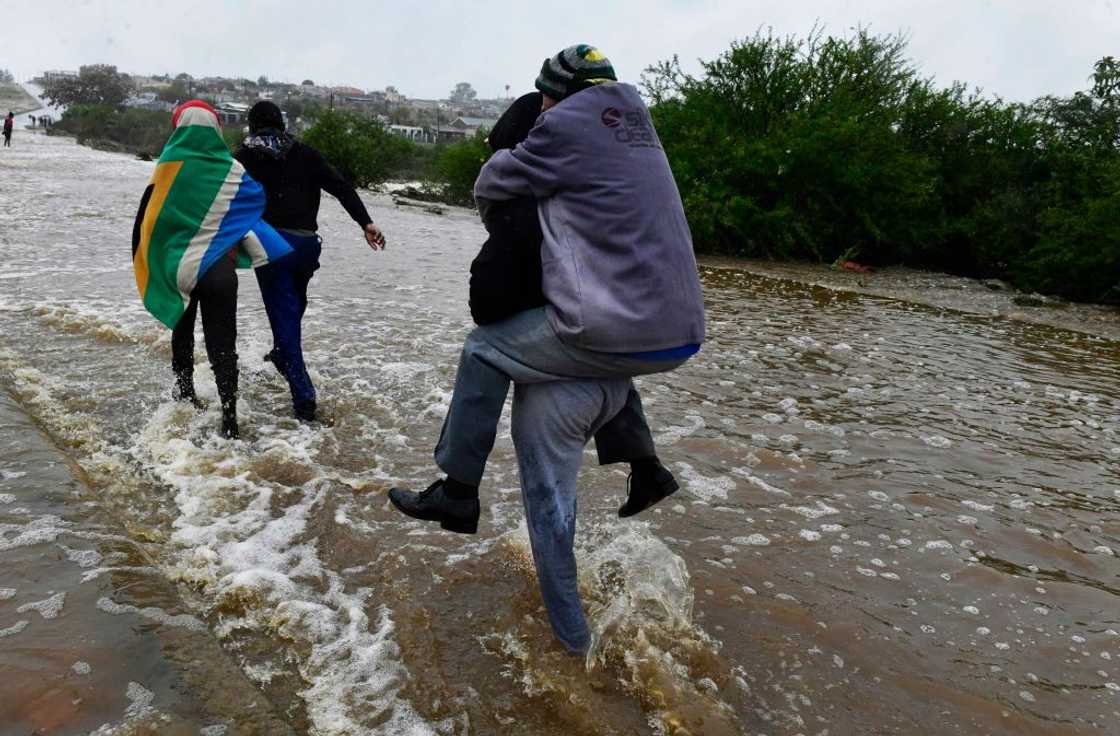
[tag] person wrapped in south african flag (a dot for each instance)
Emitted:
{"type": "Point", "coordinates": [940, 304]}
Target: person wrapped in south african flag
{"type": "Point", "coordinates": [199, 218]}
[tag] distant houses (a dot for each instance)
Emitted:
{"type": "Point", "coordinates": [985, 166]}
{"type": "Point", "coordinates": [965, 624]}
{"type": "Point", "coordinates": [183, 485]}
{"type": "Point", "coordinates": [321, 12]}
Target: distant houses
{"type": "Point", "coordinates": [417, 120]}
{"type": "Point", "coordinates": [464, 127]}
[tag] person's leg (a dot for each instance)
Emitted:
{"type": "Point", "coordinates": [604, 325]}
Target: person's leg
{"type": "Point", "coordinates": [182, 354]}
{"type": "Point", "coordinates": [278, 285]}
{"type": "Point", "coordinates": [627, 438]}
{"type": "Point", "coordinates": [522, 349]}
{"type": "Point", "coordinates": [550, 422]}
{"type": "Point", "coordinates": [308, 265]}
{"type": "Point", "coordinates": [217, 296]}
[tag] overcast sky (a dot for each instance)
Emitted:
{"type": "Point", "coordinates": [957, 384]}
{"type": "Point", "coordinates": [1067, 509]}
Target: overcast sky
{"type": "Point", "coordinates": [1018, 49]}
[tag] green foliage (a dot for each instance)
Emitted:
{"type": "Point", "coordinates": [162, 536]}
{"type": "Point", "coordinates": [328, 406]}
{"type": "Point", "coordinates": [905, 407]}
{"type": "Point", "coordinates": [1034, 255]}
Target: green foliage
{"type": "Point", "coordinates": [143, 132]}
{"type": "Point", "coordinates": [178, 91]}
{"type": "Point", "coordinates": [96, 84]}
{"type": "Point", "coordinates": [234, 136]}
{"type": "Point", "coordinates": [817, 148]}
{"type": "Point", "coordinates": [457, 166]}
{"type": "Point", "coordinates": [359, 147]}
{"type": "Point", "coordinates": [6, 77]}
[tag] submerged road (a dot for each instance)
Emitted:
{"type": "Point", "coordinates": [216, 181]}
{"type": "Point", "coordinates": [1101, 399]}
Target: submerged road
{"type": "Point", "coordinates": [896, 519]}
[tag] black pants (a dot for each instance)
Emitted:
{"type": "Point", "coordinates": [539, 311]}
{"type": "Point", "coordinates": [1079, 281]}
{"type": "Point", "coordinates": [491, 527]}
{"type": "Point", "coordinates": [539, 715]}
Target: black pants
{"type": "Point", "coordinates": [626, 437]}
{"type": "Point", "coordinates": [7, 139]}
{"type": "Point", "coordinates": [216, 295]}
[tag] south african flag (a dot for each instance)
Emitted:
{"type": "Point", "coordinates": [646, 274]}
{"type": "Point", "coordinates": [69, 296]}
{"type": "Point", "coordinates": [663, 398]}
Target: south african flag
{"type": "Point", "coordinates": [201, 204]}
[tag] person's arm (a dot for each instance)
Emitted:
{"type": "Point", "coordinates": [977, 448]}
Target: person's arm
{"type": "Point", "coordinates": [136, 225]}
{"type": "Point", "coordinates": [532, 169]}
{"type": "Point", "coordinates": [332, 183]}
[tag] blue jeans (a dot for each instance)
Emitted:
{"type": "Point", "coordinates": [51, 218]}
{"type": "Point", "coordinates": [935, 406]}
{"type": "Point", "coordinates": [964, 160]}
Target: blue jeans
{"type": "Point", "coordinates": [552, 423]}
{"type": "Point", "coordinates": [283, 286]}
{"type": "Point", "coordinates": [524, 349]}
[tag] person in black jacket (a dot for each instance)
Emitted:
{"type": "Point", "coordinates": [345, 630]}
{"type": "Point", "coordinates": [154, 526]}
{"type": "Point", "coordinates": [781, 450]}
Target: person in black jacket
{"type": "Point", "coordinates": [506, 279]}
{"type": "Point", "coordinates": [293, 174]}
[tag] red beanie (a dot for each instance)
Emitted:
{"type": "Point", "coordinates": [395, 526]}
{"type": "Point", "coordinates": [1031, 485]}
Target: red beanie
{"type": "Point", "coordinates": [189, 104]}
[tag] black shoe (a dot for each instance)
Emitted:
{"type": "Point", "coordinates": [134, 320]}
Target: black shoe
{"type": "Point", "coordinates": [272, 357]}
{"type": "Point", "coordinates": [453, 514]}
{"type": "Point", "coordinates": [647, 485]}
{"type": "Point", "coordinates": [305, 411]}
{"type": "Point", "coordinates": [230, 429]}
{"type": "Point", "coordinates": [183, 390]}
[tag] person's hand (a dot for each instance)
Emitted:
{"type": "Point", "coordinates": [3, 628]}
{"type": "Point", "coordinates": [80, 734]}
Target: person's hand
{"type": "Point", "coordinates": [374, 237]}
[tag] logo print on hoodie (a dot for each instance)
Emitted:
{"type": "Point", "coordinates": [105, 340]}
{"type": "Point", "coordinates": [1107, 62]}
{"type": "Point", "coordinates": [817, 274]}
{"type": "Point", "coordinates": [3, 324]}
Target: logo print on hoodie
{"type": "Point", "coordinates": [632, 127]}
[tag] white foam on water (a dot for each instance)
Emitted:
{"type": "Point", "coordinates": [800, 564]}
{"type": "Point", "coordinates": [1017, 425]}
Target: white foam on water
{"type": "Point", "coordinates": [239, 550]}
{"type": "Point", "coordinates": [6, 499]}
{"type": "Point", "coordinates": [752, 540]}
{"type": "Point", "coordinates": [14, 629]}
{"type": "Point", "coordinates": [938, 441]}
{"type": "Point", "coordinates": [704, 487]}
{"type": "Point", "coordinates": [48, 608]}
{"type": "Point", "coordinates": [81, 668]}
{"type": "Point", "coordinates": [639, 600]}
{"type": "Point", "coordinates": [43, 529]}
{"type": "Point", "coordinates": [821, 509]}
{"type": "Point", "coordinates": [182, 620]}
{"type": "Point", "coordinates": [7, 594]}
{"type": "Point", "coordinates": [84, 558]}
{"type": "Point", "coordinates": [757, 482]}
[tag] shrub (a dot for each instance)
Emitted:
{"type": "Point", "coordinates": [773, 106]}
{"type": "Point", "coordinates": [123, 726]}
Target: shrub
{"type": "Point", "coordinates": [817, 148]}
{"type": "Point", "coordinates": [457, 166]}
{"type": "Point", "coordinates": [359, 147]}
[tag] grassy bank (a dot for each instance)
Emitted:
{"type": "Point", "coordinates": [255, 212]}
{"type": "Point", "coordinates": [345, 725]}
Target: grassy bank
{"type": "Point", "coordinates": [14, 98]}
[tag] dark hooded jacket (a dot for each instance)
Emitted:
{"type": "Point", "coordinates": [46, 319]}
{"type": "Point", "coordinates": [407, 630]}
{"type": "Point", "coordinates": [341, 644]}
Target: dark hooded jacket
{"type": "Point", "coordinates": [292, 174]}
{"type": "Point", "coordinates": [506, 274]}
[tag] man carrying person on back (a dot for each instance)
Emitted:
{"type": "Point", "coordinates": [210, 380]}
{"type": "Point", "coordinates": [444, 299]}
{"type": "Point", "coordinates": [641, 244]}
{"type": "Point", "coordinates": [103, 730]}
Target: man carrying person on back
{"type": "Point", "coordinates": [293, 174]}
{"type": "Point", "coordinates": [618, 271]}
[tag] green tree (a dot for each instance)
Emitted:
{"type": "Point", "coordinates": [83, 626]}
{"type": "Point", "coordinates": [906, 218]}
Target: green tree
{"type": "Point", "coordinates": [6, 77]}
{"type": "Point", "coordinates": [457, 166]}
{"type": "Point", "coordinates": [827, 146]}
{"type": "Point", "coordinates": [177, 92]}
{"type": "Point", "coordinates": [359, 147]}
{"type": "Point", "coordinates": [463, 93]}
{"type": "Point", "coordinates": [96, 84]}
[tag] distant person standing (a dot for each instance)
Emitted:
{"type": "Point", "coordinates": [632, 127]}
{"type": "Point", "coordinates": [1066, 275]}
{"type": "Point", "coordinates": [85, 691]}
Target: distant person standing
{"type": "Point", "coordinates": [9, 123]}
{"type": "Point", "coordinates": [293, 175]}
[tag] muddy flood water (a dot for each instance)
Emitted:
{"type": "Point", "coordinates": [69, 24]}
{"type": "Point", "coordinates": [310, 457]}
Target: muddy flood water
{"type": "Point", "coordinates": [894, 519]}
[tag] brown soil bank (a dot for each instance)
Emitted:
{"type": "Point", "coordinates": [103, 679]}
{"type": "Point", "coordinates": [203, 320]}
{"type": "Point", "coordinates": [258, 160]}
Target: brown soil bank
{"type": "Point", "coordinates": [989, 297]}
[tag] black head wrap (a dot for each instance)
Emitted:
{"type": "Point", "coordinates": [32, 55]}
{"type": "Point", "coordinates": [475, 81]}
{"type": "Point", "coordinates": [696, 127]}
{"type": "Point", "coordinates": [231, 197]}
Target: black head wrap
{"type": "Point", "coordinates": [516, 122]}
{"type": "Point", "coordinates": [264, 115]}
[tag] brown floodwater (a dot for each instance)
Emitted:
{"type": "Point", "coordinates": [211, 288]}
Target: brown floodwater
{"type": "Point", "coordinates": [895, 519]}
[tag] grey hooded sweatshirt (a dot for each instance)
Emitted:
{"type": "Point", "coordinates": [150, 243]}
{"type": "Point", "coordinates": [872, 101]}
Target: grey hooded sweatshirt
{"type": "Point", "coordinates": [618, 267]}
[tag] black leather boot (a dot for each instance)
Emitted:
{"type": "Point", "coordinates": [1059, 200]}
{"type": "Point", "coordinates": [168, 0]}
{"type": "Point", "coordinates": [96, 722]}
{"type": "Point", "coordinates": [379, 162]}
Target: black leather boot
{"type": "Point", "coordinates": [225, 376]}
{"type": "Point", "coordinates": [649, 483]}
{"type": "Point", "coordinates": [458, 513]}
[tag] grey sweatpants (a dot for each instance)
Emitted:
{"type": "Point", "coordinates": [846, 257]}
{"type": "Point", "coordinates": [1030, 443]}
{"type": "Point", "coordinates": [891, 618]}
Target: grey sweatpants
{"type": "Point", "coordinates": [552, 422]}
{"type": "Point", "coordinates": [525, 349]}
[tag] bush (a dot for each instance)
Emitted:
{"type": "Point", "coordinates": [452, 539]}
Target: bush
{"type": "Point", "coordinates": [457, 166]}
{"type": "Point", "coordinates": [143, 132]}
{"type": "Point", "coordinates": [827, 147]}
{"type": "Point", "coordinates": [359, 147]}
